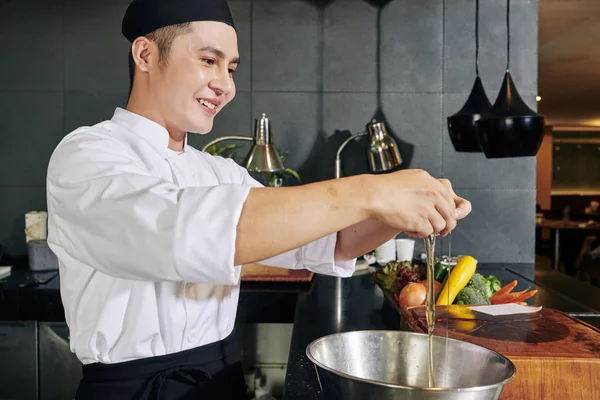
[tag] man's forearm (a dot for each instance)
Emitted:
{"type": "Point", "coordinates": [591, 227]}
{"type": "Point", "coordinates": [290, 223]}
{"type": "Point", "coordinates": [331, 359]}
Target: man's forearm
{"type": "Point", "coordinates": [362, 238]}
{"type": "Point", "coordinates": [276, 220]}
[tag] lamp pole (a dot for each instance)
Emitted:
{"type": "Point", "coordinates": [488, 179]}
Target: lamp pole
{"type": "Point", "coordinates": [221, 139]}
{"type": "Point", "coordinates": [338, 159]}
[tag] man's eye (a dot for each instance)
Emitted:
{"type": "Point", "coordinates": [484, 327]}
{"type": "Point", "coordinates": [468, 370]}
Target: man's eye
{"type": "Point", "coordinates": [208, 61]}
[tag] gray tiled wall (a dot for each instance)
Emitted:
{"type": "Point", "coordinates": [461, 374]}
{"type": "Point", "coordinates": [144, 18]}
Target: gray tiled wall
{"type": "Point", "coordinates": [313, 70]}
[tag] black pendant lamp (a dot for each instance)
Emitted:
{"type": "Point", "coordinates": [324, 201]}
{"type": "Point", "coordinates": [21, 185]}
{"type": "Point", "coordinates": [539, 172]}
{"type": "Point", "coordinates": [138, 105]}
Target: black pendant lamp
{"type": "Point", "coordinates": [511, 128]}
{"type": "Point", "coordinates": [462, 126]}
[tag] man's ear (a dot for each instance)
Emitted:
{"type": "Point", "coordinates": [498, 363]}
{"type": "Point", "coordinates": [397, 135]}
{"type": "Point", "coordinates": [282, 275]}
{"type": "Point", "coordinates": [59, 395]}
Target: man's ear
{"type": "Point", "coordinates": [144, 53]}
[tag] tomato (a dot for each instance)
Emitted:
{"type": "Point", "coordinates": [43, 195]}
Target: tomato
{"type": "Point", "coordinates": [436, 285]}
{"type": "Point", "coordinates": [413, 294]}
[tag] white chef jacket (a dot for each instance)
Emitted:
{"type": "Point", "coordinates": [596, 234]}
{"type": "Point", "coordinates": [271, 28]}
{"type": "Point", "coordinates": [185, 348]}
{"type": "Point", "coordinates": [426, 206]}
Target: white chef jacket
{"type": "Point", "coordinates": [145, 238]}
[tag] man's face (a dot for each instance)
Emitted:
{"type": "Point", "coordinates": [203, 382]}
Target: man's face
{"type": "Point", "coordinates": [197, 81]}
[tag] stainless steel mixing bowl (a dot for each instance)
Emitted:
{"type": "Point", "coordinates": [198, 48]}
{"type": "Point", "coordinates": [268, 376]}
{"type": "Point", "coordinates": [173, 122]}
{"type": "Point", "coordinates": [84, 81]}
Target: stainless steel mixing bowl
{"type": "Point", "coordinates": [386, 365]}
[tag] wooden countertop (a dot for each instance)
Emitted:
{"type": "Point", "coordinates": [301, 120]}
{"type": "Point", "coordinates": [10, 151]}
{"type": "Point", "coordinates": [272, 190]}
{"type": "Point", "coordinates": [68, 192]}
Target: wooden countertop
{"type": "Point", "coordinates": [557, 356]}
{"type": "Point", "coordinates": [264, 273]}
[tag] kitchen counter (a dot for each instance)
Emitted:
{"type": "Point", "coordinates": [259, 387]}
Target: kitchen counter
{"type": "Point", "coordinates": [326, 305]}
{"type": "Point", "coordinates": [37, 362]}
{"type": "Point", "coordinates": [340, 305]}
{"type": "Point", "coordinates": [21, 299]}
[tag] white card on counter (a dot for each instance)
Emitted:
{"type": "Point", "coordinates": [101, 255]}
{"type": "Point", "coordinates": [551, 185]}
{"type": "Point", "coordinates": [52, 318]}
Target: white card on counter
{"type": "Point", "coordinates": [505, 309]}
{"type": "Point", "coordinates": [4, 272]}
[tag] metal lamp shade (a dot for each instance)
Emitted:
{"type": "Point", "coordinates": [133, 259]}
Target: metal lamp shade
{"type": "Point", "coordinates": [383, 151]}
{"type": "Point", "coordinates": [462, 126]}
{"type": "Point", "coordinates": [511, 128]}
{"type": "Point", "coordinates": [263, 156]}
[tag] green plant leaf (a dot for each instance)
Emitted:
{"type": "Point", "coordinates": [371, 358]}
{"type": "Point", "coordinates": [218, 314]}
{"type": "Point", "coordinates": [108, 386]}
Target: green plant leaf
{"type": "Point", "coordinates": [293, 173]}
{"type": "Point", "coordinates": [283, 155]}
{"type": "Point", "coordinates": [217, 150]}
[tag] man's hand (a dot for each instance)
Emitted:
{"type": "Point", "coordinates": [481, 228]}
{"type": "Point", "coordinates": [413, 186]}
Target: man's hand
{"type": "Point", "coordinates": [421, 201]}
{"type": "Point", "coordinates": [462, 206]}
{"type": "Point", "coordinates": [418, 204]}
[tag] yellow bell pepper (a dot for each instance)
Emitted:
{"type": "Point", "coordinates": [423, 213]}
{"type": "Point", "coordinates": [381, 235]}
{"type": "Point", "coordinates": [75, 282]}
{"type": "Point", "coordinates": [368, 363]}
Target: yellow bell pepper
{"type": "Point", "coordinates": [460, 312]}
{"type": "Point", "coordinates": [460, 275]}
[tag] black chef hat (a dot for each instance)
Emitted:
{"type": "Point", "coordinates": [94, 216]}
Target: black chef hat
{"type": "Point", "coordinates": [145, 16]}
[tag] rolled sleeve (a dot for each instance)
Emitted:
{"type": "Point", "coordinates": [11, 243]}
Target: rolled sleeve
{"type": "Point", "coordinates": [214, 244]}
{"type": "Point", "coordinates": [319, 257]}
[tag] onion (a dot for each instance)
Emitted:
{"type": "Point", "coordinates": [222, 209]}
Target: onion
{"type": "Point", "coordinates": [413, 294]}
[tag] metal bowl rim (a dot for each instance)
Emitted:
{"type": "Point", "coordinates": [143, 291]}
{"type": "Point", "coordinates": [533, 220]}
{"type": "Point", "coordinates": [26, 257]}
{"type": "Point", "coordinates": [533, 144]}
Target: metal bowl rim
{"type": "Point", "coordinates": [391, 385]}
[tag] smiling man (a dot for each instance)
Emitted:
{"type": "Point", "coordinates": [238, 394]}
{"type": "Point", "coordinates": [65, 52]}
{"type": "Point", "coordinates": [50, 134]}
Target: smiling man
{"type": "Point", "coordinates": [150, 232]}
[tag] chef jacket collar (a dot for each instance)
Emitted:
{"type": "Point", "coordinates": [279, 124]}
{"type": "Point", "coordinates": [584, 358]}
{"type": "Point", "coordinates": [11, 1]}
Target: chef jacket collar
{"type": "Point", "coordinates": [153, 133]}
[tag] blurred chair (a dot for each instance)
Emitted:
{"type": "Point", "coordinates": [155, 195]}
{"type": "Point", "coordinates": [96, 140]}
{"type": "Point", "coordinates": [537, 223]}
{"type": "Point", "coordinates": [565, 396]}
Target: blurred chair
{"type": "Point", "coordinates": [588, 261]}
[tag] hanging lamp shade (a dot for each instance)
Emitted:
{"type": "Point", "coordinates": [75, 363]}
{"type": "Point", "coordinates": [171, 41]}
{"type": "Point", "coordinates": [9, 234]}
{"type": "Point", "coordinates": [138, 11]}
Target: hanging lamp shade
{"type": "Point", "coordinates": [511, 128]}
{"type": "Point", "coordinates": [462, 126]}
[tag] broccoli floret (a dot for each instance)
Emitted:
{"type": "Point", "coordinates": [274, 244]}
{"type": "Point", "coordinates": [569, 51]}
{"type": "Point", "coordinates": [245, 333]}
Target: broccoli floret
{"type": "Point", "coordinates": [479, 283]}
{"type": "Point", "coordinates": [493, 285]}
{"type": "Point", "coordinates": [390, 267]}
{"type": "Point", "coordinates": [385, 281]}
{"type": "Point", "coordinates": [478, 290]}
{"type": "Point", "coordinates": [470, 295]}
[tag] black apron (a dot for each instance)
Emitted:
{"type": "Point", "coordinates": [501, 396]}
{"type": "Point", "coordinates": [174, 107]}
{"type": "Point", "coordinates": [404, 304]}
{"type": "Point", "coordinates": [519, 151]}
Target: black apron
{"type": "Point", "coordinates": [211, 372]}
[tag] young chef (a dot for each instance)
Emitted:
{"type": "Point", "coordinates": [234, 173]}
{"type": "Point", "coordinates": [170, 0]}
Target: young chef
{"type": "Point", "coordinates": [151, 233]}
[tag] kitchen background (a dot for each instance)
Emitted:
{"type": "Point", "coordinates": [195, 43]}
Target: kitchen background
{"type": "Point", "coordinates": [311, 66]}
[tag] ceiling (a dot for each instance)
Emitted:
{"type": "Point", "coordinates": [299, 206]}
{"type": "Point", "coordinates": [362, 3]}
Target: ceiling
{"type": "Point", "coordinates": [569, 62]}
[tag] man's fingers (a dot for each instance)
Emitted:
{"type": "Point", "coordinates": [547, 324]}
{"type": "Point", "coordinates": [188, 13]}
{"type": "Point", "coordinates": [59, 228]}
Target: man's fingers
{"type": "Point", "coordinates": [449, 228]}
{"type": "Point", "coordinates": [448, 192]}
{"type": "Point", "coordinates": [438, 223]}
{"type": "Point", "coordinates": [463, 207]}
{"type": "Point", "coordinates": [449, 216]}
{"type": "Point", "coordinates": [423, 229]}
{"type": "Point", "coordinates": [413, 235]}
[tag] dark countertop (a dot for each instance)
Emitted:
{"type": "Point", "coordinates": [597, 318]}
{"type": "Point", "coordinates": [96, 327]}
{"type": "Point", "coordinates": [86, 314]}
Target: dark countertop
{"type": "Point", "coordinates": [21, 300]}
{"type": "Point", "coordinates": [363, 307]}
